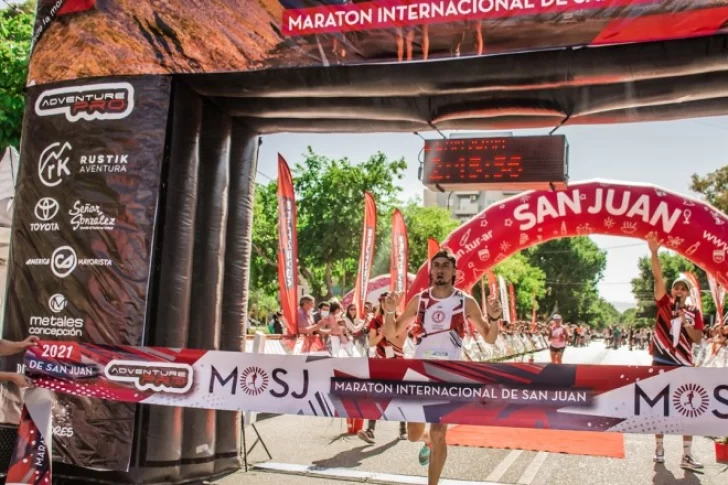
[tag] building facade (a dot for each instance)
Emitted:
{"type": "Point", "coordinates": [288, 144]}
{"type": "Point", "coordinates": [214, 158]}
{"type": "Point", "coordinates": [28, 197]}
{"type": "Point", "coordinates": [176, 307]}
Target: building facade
{"type": "Point", "coordinates": [467, 204]}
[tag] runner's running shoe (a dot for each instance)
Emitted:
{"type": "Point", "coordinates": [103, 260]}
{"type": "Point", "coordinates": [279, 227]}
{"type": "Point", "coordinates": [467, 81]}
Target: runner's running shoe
{"type": "Point", "coordinates": [424, 455]}
{"type": "Point", "coordinates": [366, 435]}
{"type": "Point", "coordinates": [659, 456]}
{"type": "Point", "coordinates": [689, 464]}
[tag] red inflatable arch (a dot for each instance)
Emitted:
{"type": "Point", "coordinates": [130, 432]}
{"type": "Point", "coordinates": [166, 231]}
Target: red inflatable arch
{"type": "Point", "coordinates": [688, 226]}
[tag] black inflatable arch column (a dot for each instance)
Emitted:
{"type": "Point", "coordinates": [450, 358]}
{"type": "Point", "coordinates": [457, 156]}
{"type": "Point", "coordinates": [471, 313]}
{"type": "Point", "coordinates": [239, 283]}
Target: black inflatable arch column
{"type": "Point", "coordinates": [203, 272]}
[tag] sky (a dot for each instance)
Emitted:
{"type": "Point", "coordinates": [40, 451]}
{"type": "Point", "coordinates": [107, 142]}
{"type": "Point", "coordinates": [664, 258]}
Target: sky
{"type": "Point", "coordinates": [660, 153]}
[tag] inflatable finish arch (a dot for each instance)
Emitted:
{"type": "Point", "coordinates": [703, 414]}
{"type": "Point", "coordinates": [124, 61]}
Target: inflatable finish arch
{"type": "Point", "coordinates": [133, 215]}
{"type": "Point", "coordinates": [689, 227]}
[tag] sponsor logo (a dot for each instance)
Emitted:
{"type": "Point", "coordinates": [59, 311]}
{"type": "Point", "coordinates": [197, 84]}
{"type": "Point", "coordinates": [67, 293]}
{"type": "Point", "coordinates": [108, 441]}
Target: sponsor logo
{"type": "Point", "coordinates": [86, 217]}
{"type": "Point", "coordinates": [106, 101]}
{"type": "Point", "coordinates": [45, 211]}
{"type": "Point", "coordinates": [64, 261]}
{"type": "Point", "coordinates": [57, 303]}
{"type": "Point", "coordinates": [56, 325]}
{"type": "Point", "coordinates": [166, 377]}
{"type": "Point", "coordinates": [53, 164]}
{"type": "Point", "coordinates": [103, 163]}
{"type": "Point", "coordinates": [253, 381]}
{"type": "Point", "coordinates": [438, 316]}
{"type": "Point", "coordinates": [690, 400]}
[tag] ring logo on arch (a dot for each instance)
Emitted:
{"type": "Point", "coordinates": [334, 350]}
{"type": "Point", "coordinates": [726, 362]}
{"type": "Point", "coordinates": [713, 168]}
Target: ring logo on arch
{"type": "Point", "coordinates": [64, 261]}
{"type": "Point", "coordinates": [105, 101]}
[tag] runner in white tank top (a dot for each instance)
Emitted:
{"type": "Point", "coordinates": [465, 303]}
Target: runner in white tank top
{"type": "Point", "coordinates": [440, 326]}
{"type": "Point", "coordinates": [440, 314]}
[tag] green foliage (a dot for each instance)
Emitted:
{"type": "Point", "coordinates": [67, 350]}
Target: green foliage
{"type": "Point", "coordinates": [629, 317]}
{"type": "Point", "coordinates": [714, 187]}
{"type": "Point", "coordinates": [330, 204]}
{"type": "Point", "coordinates": [601, 313]}
{"type": "Point", "coordinates": [263, 267]}
{"type": "Point", "coordinates": [422, 223]}
{"type": "Point", "coordinates": [16, 29]}
{"type": "Point", "coordinates": [261, 304]}
{"type": "Point", "coordinates": [526, 279]}
{"type": "Point", "coordinates": [573, 267]}
{"type": "Point", "coordinates": [672, 265]}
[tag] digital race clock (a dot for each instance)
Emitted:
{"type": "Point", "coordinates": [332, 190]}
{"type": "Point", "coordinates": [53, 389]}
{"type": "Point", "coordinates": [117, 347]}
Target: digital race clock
{"type": "Point", "coordinates": [521, 163]}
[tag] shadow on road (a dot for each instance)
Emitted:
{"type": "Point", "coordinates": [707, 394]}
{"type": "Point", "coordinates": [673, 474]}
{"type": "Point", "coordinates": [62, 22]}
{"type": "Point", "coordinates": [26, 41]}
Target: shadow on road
{"type": "Point", "coordinates": [663, 476]}
{"type": "Point", "coordinates": [353, 458]}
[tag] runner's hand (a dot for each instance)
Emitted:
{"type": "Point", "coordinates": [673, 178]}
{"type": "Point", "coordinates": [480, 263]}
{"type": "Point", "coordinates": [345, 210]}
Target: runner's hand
{"type": "Point", "coordinates": [21, 381]}
{"type": "Point", "coordinates": [653, 244]}
{"type": "Point", "coordinates": [391, 302]}
{"type": "Point", "coordinates": [29, 342]}
{"type": "Point", "coordinates": [494, 309]}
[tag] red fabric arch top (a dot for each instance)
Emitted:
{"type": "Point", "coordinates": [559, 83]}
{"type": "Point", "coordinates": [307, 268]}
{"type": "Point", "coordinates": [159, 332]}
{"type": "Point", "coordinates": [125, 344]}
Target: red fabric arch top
{"type": "Point", "coordinates": [688, 226]}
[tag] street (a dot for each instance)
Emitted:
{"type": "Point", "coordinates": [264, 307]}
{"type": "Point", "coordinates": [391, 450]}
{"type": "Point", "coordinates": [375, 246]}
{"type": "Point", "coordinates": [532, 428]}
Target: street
{"type": "Point", "coordinates": [317, 451]}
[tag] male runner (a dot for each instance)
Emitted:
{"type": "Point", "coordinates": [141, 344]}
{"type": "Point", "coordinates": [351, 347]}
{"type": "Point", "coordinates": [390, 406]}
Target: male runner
{"type": "Point", "coordinates": [440, 313]}
{"type": "Point", "coordinates": [670, 308]}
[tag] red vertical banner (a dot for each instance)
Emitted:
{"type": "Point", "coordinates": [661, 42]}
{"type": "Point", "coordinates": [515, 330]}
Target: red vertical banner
{"type": "Point", "coordinates": [399, 257]}
{"type": "Point", "coordinates": [492, 285]}
{"type": "Point", "coordinates": [432, 248]}
{"type": "Point", "coordinates": [287, 247]}
{"type": "Point", "coordinates": [483, 303]}
{"type": "Point", "coordinates": [366, 257]}
{"type": "Point", "coordinates": [512, 294]}
{"type": "Point", "coordinates": [718, 293]}
{"type": "Point", "coordinates": [695, 290]}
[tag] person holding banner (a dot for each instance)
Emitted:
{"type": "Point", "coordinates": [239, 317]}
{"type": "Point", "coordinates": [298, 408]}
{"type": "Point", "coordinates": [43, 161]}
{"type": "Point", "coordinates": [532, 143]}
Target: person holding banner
{"type": "Point", "coordinates": [8, 347]}
{"type": "Point", "coordinates": [440, 315]}
{"type": "Point", "coordinates": [384, 349]}
{"type": "Point", "coordinates": [678, 325]}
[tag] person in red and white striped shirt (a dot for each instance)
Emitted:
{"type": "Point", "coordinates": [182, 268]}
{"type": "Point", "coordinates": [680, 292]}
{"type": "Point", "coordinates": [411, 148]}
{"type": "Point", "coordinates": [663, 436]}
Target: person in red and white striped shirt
{"type": "Point", "coordinates": [674, 315]}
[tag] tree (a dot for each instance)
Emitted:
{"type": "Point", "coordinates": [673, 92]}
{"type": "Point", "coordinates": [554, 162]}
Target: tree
{"type": "Point", "coordinates": [714, 187]}
{"type": "Point", "coordinates": [16, 29]}
{"type": "Point", "coordinates": [422, 223]}
{"type": "Point", "coordinates": [573, 267]}
{"type": "Point", "coordinates": [672, 265]}
{"type": "Point", "coordinates": [527, 280]}
{"type": "Point", "coordinates": [264, 257]}
{"type": "Point", "coordinates": [629, 315]}
{"type": "Point", "coordinates": [601, 313]}
{"type": "Point", "coordinates": [330, 205]}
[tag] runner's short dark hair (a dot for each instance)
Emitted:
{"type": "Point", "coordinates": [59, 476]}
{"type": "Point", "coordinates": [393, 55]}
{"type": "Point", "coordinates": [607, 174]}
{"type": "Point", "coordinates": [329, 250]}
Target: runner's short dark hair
{"type": "Point", "coordinates": [447, 254]}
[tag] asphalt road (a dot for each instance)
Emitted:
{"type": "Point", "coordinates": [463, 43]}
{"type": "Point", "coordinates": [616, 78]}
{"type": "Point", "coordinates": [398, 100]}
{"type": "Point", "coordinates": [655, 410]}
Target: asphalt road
{"type": "Point", "coordinates": [317, 451]}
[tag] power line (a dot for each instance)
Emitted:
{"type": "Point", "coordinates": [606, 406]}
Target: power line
{"type": "Point", "coordinates": [266, 176]}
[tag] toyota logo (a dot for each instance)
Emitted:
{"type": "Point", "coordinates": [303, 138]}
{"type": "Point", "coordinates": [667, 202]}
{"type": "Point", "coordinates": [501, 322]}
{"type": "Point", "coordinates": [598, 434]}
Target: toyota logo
{"type": "Point", "coordinates": [63, 261]}
{"type": "Point", "coordinates": [46, 209]}
{"type": "Point", "coordinates": [57, 303]}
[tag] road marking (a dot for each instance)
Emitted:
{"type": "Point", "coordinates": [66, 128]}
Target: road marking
{"type": "Point", "coordinates": [533, 468]}
{"type": "Point", "coordinates": [355, 475]}
{"type": "Point", "coordinates": [503, 466]}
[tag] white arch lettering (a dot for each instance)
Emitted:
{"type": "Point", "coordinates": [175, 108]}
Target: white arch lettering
{"type": "Point", "coordinates": [612, 208]}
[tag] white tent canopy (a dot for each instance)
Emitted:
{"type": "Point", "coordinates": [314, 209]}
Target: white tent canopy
{"type": "Point", "coordinates": [8, 177]}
